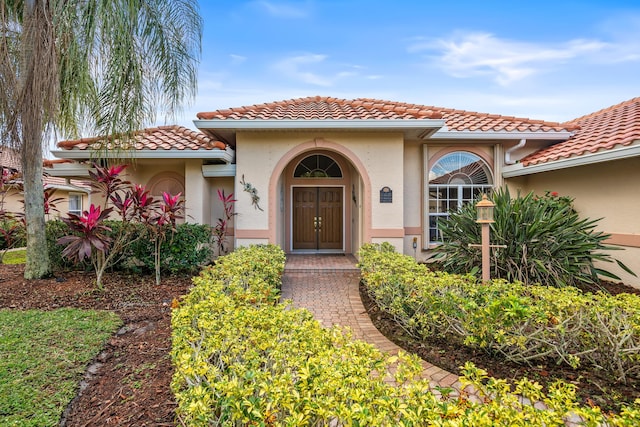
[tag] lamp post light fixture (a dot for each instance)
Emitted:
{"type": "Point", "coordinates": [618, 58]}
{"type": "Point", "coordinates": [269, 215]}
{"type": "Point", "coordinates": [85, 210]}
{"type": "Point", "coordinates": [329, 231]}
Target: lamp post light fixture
{"type": "Point", "coordinates": [484, 210]}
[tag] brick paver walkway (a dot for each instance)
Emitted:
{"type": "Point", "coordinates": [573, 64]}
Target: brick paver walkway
{"type": "Point", "coordinates": [328, 286]}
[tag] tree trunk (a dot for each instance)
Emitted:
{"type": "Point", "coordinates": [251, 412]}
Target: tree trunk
{"type": "Point", "coordinates": [37, 264]}
{"type": "Point", "coordinates": [37, 88]}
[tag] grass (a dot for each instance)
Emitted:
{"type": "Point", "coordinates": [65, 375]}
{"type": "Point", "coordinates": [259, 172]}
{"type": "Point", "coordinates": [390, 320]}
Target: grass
{"type": "Point", "coordinates": [43, 356]}
{"type": "Point", "coordinates": [18, 256]}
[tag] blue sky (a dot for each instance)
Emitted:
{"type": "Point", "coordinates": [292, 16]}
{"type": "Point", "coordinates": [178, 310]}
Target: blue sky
{"type": "Point", "coordinates": [539, 59]}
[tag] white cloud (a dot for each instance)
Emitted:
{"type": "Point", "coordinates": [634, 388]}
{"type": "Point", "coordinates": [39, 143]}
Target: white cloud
{"type": "Point", "coordinates": [283, 10]}
{"type": "Point", "coordinates": [237, 59]}
{"type": "Point", "coordinates": [505, 61]}
{"type": "Point", "coordinates": [295, 68]}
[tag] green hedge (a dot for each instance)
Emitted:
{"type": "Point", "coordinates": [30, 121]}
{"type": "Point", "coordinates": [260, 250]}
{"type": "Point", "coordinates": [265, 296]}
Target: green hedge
{"type": "Point", "coordinates": [184, 252]}
{"type": "Point", "coordinates": [517, 322]}
{"type": "Point", "coordinates": [242, 358]}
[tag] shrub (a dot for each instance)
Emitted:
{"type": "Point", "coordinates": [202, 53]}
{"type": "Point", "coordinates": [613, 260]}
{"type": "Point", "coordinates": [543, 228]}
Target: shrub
{"type": "Point", "coordinates": [241, 358]}
{"type": "Point", "coordinates": [510, 320]}
{"type": "Point", "coordinates": [186, 249]}
{"type": "Point", "coordinates": [134, 205]}
{"type": "Point", "coordinates": [55, 230]}
{"type": "Point", "coordinates": [546, 241]}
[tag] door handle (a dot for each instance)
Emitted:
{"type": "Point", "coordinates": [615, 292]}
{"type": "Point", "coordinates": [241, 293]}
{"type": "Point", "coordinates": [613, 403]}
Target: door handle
{"type": "Point", "coordinates": [317, 222]}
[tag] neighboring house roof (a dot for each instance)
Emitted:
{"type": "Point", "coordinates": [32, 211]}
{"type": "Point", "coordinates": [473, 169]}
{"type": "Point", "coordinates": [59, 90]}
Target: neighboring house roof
{"type": "Point", "coordinates": [607, 129]}
{"type": "Point", "coordinates": [327, 108]}
{"type": "Point", "coordinates": [10, 159]}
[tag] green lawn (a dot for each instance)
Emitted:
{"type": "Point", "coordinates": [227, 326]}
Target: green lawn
{"type": "Point", "coordinates": [15, 257]}
{"type": "Point", "coordinates": [43, 356]}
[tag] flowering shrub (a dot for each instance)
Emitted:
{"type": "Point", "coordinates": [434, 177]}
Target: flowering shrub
{"type": "Point", "coordinates": [241, 358]}
{"type": "Point", "coordinates": [545, 241]}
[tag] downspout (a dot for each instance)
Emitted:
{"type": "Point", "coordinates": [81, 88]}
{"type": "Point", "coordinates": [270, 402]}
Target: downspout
{"type": "Point", "coordinates": [507, 154]}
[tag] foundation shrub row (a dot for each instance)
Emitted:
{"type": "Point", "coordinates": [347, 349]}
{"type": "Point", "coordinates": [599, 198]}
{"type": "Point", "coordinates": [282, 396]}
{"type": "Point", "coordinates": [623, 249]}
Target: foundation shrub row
{"type": "Point", "coordinates": [243, 358]}
{"type": "Point", "coordinates": [519, 323]}
{"type": "Point", "coordinates": [186, 250]}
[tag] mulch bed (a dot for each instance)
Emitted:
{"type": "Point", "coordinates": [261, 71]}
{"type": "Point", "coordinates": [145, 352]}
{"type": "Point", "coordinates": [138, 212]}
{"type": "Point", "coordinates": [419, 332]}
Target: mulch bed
{"type": "Point", "coordinates": [594, 388]}
{"type": "Point", "coordinates": [128, 384]}
{"type": "Point", "coordinates": [131, 376]}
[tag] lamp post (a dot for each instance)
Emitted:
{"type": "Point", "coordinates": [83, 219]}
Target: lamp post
{"type": "Point", "coordinates": [484, 210]}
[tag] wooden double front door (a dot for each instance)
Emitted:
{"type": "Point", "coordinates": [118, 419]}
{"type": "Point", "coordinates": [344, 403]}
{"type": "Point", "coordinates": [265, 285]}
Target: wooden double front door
{"type": "Point", "coordinates": [318, 218]}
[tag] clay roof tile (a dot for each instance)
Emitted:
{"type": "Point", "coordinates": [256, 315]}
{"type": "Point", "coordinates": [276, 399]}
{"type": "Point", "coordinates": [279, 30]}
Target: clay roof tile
{"type": "Point", "coordinates": [329, 108]}
{"type": "Point", "coordinates": [609, 128]}
{"type": "Point", "coordinates": [171, 137]}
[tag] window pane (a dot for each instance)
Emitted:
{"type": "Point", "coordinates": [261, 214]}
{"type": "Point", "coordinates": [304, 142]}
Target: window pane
{"type": "Point", "coordinates": [317, 166]}
{"type": "Point", "coordinates": [75, 204]}
{"type": "Point", "coordinates": [454, 180]}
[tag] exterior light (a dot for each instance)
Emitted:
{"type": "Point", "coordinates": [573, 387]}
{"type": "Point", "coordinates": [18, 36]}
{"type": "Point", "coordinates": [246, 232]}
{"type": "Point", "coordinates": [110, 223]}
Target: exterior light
{"type": "Point", "coordinates": [485, 218]}
{"type": "Point", "coordinates": [485, 210]}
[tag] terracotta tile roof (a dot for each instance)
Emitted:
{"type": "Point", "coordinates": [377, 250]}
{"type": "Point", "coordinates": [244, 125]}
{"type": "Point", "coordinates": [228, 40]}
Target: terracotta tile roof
{"type": "Point", "coordinates": [326, 108]}
{"type": "Point", "coordinates": [158, 138]}
{"type": "Point", "coordinates": [612, 127]}
{"type": "Point", "coordinates": [10, 159]}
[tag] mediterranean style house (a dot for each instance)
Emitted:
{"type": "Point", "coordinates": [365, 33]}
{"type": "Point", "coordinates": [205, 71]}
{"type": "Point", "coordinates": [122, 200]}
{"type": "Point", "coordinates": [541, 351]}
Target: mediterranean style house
{"type": "Point", "coordinates": [66, 195]}
{"type": "Point", "coordinates": [325, 175]}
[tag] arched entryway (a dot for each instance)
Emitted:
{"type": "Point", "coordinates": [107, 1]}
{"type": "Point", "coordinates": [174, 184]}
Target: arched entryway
{"type": "Point", "coordinates": [318, 211]}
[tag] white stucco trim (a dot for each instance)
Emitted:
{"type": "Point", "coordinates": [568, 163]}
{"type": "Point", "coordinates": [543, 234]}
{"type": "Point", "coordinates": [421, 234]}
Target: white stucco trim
{"type": "Point", "coordinates": [227, 155]}
{"type": "Point", "coordinates": [586, 159]}
{"type": "Point", "coordinates": [68, 170]}
{"type": "Point", "coordinates": [70, 188]}
{"type": "Point", "coordinates": [493, 135]}
{"type": "Point", "coordinates": [284, 124]}
{"type": "Point", "coordinates": [213, 171]}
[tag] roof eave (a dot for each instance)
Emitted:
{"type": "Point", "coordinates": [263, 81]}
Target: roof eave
{"type": "Point", "coordinates": [226, 155]}
{"type": "Point", "coordinates": [348, 124]}
{"type": "Point", "coordinates": [68, 170]}
{"type": "Point", "coordinates": [493, 135]}
{"type": "Point", "coordinates": [70, 188]}
{"type": "Point", "coordinates": [586, 159]}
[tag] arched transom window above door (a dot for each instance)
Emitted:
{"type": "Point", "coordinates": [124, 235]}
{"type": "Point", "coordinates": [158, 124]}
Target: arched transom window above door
{"type": "Point", "coordinates": [317, 166]}
{"type": "Point", "coordinates": [455, 179]}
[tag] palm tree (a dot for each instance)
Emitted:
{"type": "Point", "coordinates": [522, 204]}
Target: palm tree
{"type": "Point", "coordinates": [107, 67]}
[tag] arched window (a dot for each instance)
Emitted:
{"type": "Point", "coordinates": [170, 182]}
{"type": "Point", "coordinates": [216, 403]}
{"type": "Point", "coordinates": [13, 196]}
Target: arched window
{"type": "Point", "coordinates": [169, 182]}
{"type": "Point", "coordinates": [455, 179]}
{"type": "Point", "coordinates": [317, 166]}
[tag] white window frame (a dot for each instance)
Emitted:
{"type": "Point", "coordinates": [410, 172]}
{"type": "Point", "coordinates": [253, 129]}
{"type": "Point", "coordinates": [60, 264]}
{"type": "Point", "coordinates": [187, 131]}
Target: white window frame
{"type": "Point", "coordinates": [441, 199]}
{"type": "Point", "coordinates": [80, 199]}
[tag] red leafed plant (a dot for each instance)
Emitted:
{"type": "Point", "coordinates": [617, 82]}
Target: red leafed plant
{"type": "Point", "coordinates": [89, 229]}
{"type": "Point", "coordinates": [171, 209]}
{"type": "Point", "coordinates": [50, 202]}
{"type": "Point", "coordinates": [221, 228]}
{"type": "Point", "coordinates": [133, 204]}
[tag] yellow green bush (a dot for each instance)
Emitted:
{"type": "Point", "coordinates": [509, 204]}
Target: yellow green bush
{"type": "Point", "coordinates": [517, 322]}
{"type": "Point", "coordinates": [243, 358]}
